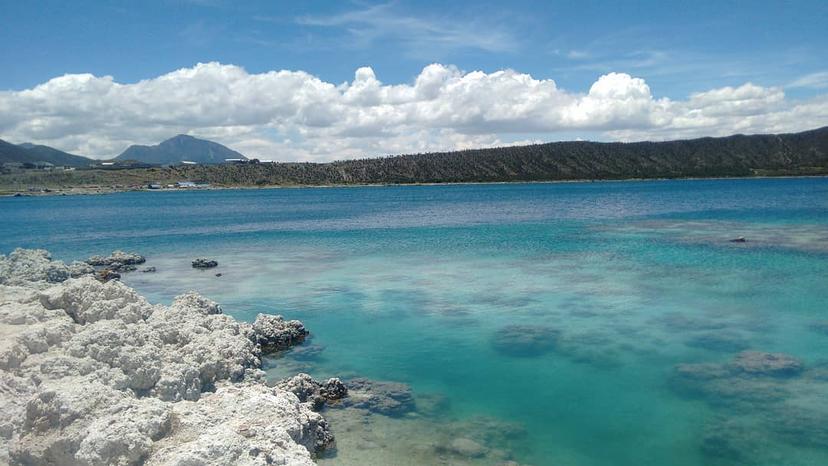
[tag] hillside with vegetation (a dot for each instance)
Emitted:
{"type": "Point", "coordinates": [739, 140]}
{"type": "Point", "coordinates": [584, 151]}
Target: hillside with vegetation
{"type": "Point", "coordinates": [27, 153]}
{"type": "Point", "coordinates": [803, 153]}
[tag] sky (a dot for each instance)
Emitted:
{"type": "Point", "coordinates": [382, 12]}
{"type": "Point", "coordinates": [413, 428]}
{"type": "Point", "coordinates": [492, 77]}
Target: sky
{"type": "Point", "coordinates": [318, 81]}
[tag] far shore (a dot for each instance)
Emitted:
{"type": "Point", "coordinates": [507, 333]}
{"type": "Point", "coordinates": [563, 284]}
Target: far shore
{"type": "Point", "coordinates": [100, 190]}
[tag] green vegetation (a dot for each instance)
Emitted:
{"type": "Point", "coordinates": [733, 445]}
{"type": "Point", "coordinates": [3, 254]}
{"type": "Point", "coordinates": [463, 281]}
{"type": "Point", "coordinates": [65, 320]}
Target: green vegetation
{"type": "Point", "coordinates": [735, 156]}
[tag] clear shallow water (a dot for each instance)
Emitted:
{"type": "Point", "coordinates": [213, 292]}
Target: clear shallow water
{"type": "Point", "coordinates": [620, 282]}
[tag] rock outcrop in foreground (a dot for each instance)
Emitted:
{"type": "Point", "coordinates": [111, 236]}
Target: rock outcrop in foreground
{"type": "Point", "coordinates": [93, 374]}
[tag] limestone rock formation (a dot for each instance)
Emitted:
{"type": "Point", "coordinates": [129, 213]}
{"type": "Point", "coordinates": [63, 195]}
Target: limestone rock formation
{"type": "Point", "coordinates": [92, 373]}
{"type": "Point", "coordinates": [275, 333]}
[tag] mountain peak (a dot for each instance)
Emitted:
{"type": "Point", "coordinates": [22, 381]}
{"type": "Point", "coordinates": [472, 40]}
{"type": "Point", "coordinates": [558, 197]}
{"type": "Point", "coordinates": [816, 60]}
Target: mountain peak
{"type": "Point", "coordinates": [179, 148]}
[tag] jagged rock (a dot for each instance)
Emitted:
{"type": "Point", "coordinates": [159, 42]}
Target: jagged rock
{"type": "Point", "coordinates": [310, 391]}
{"type": "Point", "coordinates": [105, 275]}
{"type": "Point", "coordinates": [79, 269]}
{"type": "Point", "coordinates": [274, 333]}
{"type": "Point", "coordinates": [117, 257]}
{"type": "Point", "coordinates": [740, 239]}
{"type": "Point", "coordinates": [333, 389]}
{"type": "Point", "coordinates": [91, 373]}
{"type": "Point", "coordinates": [389, 398]}
{"type": "Point", "coordinates": [32, 267]}
{"type": "Point", "coordinates": [524, 340]}
{"type": "Point", "coordinates": [202, 263]}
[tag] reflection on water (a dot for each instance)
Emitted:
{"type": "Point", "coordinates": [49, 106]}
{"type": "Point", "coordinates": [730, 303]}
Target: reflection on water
{"type": "Point", "coordinates": [578, 324]}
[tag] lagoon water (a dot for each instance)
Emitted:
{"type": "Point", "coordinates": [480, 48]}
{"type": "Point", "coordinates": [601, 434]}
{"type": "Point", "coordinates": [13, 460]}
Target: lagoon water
{"type": "Point", "coordinates": [552, 324]}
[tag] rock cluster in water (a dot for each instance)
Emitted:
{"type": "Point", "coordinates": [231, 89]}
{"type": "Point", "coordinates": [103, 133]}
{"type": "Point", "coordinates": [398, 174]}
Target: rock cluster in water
{"type": "Point", "coordinates": [106, 268]}
{"type": "Point", "coordinates": [203, 263]}
{"type": "Point", "coordinates": [387, 398]}
{"type": "Point", "coordinates": [274, 333]}
{"type": "Point", "coordinates": [91, 373]}
{"type": "Point", "coordinates": [309, 390]}
{"type": "Point", "coordinates": [762, 398]}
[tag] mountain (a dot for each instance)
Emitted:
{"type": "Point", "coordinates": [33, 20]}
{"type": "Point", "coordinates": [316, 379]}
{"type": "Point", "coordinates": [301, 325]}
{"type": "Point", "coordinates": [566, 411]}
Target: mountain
{"type": "Point", "coordinates": [31, 153]}
{"type": "Point", "coordinates": [175, 150]}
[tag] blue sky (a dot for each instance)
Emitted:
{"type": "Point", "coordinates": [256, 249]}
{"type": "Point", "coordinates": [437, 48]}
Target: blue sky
{"type": "Point", "coordinates": [678, 49]}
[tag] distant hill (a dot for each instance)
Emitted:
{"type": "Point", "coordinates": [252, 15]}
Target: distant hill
{"type": "Point", "coordinates": [804, 153]}
{"type": "Point", "coordinates": [175, 150]}
{"type": "Point", "coordinates": [32, 153]}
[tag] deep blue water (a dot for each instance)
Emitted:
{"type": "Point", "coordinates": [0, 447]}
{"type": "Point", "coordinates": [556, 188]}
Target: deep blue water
{"type": "Point", "coordinates": [605, 287]}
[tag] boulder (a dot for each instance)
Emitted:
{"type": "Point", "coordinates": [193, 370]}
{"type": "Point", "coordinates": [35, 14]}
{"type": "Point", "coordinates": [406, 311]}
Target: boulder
{"type": "Point", "coordinates": [118, 257]}
{"type": "Point", "coordinates": [274, 333]}
{"type": "Point", "coordinates": [310, 391]}
{"type": "Point", "coordinates": [204, 263]}
{"type": "Point", "coordinates": [105, 275]}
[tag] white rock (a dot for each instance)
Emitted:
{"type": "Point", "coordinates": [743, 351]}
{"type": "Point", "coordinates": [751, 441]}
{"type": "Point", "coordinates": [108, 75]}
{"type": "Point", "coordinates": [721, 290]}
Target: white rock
{"type": "Point", "coordinates": [91, 373]}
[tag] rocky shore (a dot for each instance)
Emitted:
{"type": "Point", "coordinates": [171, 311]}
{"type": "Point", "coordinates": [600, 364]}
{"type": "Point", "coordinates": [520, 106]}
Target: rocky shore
{"type": "Point", "coordinates": [91, 373]}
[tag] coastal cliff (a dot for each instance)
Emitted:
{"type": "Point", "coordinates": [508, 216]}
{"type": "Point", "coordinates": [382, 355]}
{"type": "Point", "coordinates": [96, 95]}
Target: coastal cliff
{"type": "Point", "coordinates": [91, 373]}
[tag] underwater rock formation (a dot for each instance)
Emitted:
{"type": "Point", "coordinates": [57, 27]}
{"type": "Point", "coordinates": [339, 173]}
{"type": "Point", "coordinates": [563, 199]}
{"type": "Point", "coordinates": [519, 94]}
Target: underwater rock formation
{"type": "Point", "coordinates": [524, 340]}
{"type": "Point", "coordinates": [91, 373]}
{"type": "Point", "coordinates": [388, 398]}
{"type": "Point", "coordinates": [316, 393]}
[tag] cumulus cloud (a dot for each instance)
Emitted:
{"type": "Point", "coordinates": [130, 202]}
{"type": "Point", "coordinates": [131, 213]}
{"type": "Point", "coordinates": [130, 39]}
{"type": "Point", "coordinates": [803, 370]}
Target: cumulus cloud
{"type": "Point", "coordinates": [294, 115]}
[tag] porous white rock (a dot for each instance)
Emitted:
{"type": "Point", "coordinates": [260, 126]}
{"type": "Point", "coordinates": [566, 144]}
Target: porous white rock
{"type": "Point", "coordinates": [34, 267]}
{"type": "Point", "coordinates": [91, 373]}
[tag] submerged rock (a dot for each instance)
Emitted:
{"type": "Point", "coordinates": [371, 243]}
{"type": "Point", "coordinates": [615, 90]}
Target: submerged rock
{"type": "Point", "coordinates": [821, 326]}
{"type": "Point", "coordinates": [91, 373]}
{"type": "Point", "coordinates": [467, 448]}
{"type": "Point", "coordinates": [767, 364]}
{"type": "Point", "coordinates": [316, 393]}
{"type": "Point", "coordinates": [724, 341]}
{"type": "Point", "coordinates": [388, 398]}
{"type": "Point", "coordinates": [148, 270]}
{"type": "Point", "coordinates": [525, 340]}
{"type": "Point", "coordinates": [203, 263]}
{"type": "Point", "coordinates": [274, 333]}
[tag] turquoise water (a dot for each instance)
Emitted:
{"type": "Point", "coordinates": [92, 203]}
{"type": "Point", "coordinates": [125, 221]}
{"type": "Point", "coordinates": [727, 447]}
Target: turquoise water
{"type": "Point", "coordinates": [618, 283]}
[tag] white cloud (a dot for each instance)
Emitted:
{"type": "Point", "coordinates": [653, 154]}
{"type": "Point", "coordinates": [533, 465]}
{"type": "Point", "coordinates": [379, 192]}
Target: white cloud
{"type": "Point", "coordinates": [293, 115]}
{"type": "Point", "coordinates": [817, 80]}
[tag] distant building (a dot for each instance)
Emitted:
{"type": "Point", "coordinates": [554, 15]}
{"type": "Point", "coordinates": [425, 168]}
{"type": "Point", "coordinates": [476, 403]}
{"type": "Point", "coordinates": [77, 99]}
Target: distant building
{"type": "Point", "coordinates": [187, 162]}
{"type": "Point", "coordinates": [185, 184]}
{"type": "Point", "coordinates": [235, 160]}
{"type": "Point", "coordinates": [154, 186]}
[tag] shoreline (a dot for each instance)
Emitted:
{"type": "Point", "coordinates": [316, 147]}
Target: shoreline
{"type": "Point", "coordinates": [92, 191]}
